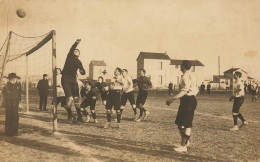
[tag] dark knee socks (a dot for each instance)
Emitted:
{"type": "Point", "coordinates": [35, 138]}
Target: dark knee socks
{"type": "Point", "coordinates": [118, 116]}
{"type": "Point", "coordinates": [78, 112]}
{"type": "Point", "coordinates": [185, 139]}
{"type": "Point", "coordinates": [134, 109]}
{"type": "Point", "coordinates": [241, 117]}
{"type": "Point", "coordinates": [235, 119]}
{"type": "Point", "coordinates": [108, 116]}
{"type": "Point", "coordinates": [94, 115]}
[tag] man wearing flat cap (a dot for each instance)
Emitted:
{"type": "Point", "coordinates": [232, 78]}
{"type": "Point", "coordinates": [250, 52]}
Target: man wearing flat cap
{"type": "Point", "coordinates": [11, 103]}
{"type": "Point", "coordinates": [43, 89]}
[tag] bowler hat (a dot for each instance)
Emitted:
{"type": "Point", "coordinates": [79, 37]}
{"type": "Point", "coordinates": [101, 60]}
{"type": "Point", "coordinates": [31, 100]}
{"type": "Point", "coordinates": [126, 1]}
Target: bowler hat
{"type": "Point", "coordinates": [12, 75]}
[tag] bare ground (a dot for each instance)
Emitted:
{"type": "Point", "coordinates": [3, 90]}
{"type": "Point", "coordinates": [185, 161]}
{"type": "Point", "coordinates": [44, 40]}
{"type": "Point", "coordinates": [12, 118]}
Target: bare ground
{"type": "Point", "coordinates": [151, 140]}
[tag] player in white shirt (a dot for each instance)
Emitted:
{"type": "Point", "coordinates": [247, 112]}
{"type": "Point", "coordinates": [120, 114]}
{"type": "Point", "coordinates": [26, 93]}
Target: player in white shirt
{"type": "Point", "coordinates": [254, 90]}
{"type": "Point", "coordinates": [113, 99]}
{"type": "Point", "coordinates": [128, 93]}
{"type": "Point", "coordinates": [238, 96]}
{"type": "Point", "coordinates": [188, 103]}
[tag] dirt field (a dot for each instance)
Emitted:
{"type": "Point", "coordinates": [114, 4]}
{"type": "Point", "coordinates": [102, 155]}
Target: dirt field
{"type": "Point", "coordinates": [151, 140]}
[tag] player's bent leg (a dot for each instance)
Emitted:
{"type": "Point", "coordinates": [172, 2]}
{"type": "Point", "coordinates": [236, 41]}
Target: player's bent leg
{"type": "Point", "coordinates": [118, 116]}
{"type": "Point", "coordinates": [185, 139]}
{"type": "Point", "coordinates": [135, 112]}
{"type": "Point", "coordinates": [69, 101]}
{"type": "Point", "coordinates": [108, 112]}
{"type": "Point", "coordinates": [235, 115]}
{"type": "Point", "coordinates": [93, 112]}
{"type": "Point", "coordinates": [122, 107]}
{"type": "Point", "coordinates": [77, 105]}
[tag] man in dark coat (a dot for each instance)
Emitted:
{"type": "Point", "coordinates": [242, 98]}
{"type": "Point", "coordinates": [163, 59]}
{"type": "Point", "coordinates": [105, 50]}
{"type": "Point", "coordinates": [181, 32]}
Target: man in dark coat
{"type": "Point", "coordinates": [11, 103]}
{"type": "Point", "coordinates": [202, 88]}
{"type": "Point", "coordinates": [170, 88]}
{"type": "Point", "coordinates": [43, 87]}
{"type": "Point", "coordinates": [208, 88]}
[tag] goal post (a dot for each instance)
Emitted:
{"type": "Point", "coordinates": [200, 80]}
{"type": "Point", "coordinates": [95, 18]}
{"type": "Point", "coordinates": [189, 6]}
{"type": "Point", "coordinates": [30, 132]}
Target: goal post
{"type": "Point", "coordinates": [54, 74]}
{"type": "Point", "coordinates": [17, 47]}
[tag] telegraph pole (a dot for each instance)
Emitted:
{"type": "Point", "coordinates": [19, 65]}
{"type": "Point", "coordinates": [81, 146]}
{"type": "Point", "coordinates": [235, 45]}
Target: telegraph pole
{"type": "Point", "coordinates": [219, 70]}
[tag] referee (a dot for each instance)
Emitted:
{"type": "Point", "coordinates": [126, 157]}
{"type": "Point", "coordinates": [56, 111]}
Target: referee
{"type": "Point", "coordinates": [187, 106]}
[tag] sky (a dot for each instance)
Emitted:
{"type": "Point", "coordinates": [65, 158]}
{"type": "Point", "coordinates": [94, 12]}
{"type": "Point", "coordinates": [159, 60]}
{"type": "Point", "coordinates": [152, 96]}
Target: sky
{"type": "Point", "coordinates": [116, 31]}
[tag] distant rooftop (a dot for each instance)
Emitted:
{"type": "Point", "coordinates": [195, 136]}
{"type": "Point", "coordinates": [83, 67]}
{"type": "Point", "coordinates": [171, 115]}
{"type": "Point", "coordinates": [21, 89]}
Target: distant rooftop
{"type": "Point", "coordinates": [151, 55]}
{"type": "Point", "coordinates": [98, 63]}
{"type": "Point", "coordinates": [193, 62]}
{"type": "Point", "coordinates": [221, 76]}
{"type": "Point", "coordinates": [234, 69]}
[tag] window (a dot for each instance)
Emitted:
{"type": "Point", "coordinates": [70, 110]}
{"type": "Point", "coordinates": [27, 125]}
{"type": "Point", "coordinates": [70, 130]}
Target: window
{"type": "Point", "coordinates": [193, 68]}
{"type": "Point", "coordinates": [160, 65]}
{"type": "Point", "coordinates": [160, 80]}
{"type": "Point", "coordinates": [176, 66]}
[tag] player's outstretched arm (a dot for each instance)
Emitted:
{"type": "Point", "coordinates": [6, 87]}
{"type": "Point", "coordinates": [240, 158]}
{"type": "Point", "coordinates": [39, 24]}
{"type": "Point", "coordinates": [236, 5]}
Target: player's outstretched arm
{"type": "Point", "coordinates": [231, 98]}
{"type": "Point", "coordinates": [73, 47]}
{"type": "Point", "coordinates": [178, 96]}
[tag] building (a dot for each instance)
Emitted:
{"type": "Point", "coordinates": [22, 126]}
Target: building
{"type": "Point", "coordinates": [220, 82]}
{"type": "Point", "coordinates": [245, 76]}
{"type": "Point", "coordinates": [226, 81]}
{"type": "Point", "coordinates": [175, 70]}
{"type": "Point", "coordinates": [96, 69]}
{"type": "Point", "coordinates": [162, 69]}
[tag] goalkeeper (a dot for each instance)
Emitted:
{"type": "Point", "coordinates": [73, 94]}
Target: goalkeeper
{"type": "Point", "coordinates": [69, 78]}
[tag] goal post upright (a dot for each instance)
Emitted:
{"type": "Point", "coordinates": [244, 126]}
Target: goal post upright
{"type": "Point", "coordinates": [5, 58]}
{"type": "Point", "coordinates": [26, 84]}
{"type": "Point", "coordinates": [54, 78]}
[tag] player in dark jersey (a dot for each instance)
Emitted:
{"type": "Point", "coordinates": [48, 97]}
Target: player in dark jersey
{"type": "Point", "coordinates": [89, 96]}
{"type": "Point", "coordinates": [102, 88]}
{"type": "Point", "coordinates": [69, 78]}
{"type": "Point", "coordinates": [144, 84]}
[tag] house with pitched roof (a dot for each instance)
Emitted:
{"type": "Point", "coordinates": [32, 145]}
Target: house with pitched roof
{"type": "Point", "coordinates": [226, 81]}
{"type": "Point", "coordinates": [162, 69]}
{"type": "Point", "coordinates": [97, 68]}
{"type": "Point", "coordinates": [245, 76]}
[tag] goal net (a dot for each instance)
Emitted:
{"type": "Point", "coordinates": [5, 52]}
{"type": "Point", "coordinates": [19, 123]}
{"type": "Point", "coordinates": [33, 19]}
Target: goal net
{"type": "Point", "coordinates": [29, 57]}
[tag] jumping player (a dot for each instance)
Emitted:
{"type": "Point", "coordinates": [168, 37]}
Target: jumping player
{"type": "Point", "coordinates": [128, 93]}
{"type": "Point", "coordinates": [187, 106]}
{"type": "Point", "coordinates": [144, 84]}
{"type": "Point", "coordinates": [238, 96]}
{"type": "Point", "coordinates": [113, 99]}
{"type": "Point", "coordinates": [89, 95]}
{"type": "Point", "coordinates": [69, 78]}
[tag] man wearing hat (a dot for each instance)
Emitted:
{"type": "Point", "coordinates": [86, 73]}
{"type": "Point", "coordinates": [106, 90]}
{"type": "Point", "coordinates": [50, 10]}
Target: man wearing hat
{"type": "Point", "coordinates": [43, 87]}
{"type": "Point", "coordinates": [11, 103]}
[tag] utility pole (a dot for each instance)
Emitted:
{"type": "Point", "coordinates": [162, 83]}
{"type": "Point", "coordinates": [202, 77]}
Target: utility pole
{"type": "Point", "coordinates": [219, 70]}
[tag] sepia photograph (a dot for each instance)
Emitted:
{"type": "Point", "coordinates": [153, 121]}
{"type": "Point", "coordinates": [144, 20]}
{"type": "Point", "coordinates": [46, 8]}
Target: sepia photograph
{"type": "Point", "coordinates": [129, 80]}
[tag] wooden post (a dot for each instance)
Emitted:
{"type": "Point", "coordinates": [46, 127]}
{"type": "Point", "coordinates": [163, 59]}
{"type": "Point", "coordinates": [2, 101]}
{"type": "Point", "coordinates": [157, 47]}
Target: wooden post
{"type": "Point", "coordinates": [5, 58]}
{"type": "Point", "coordinates": [55, 119]}
{"type": "Point", "coordinates": [219, 71]}
{"type": "Point", "coordinates": [27, 84]}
